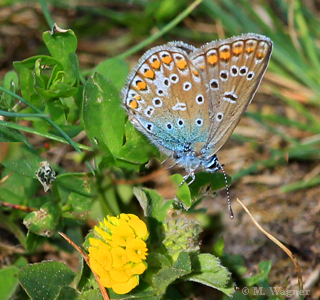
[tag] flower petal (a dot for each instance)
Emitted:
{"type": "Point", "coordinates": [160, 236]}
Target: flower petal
{"type": "Point", "coordinates": [119, 256]}
{"type": "Point", "coordinates": [106, 281]}
{"type": "Point", "coordinates": [124, 288]}
{"type": "Point", "coordinates": [136, 250]}
{"type": "Point", "coordinates": [119, 275]}
{"type": "Point", "coordinates": [137, 269]}
{"type": "Point", "coordinates": [140, 228]}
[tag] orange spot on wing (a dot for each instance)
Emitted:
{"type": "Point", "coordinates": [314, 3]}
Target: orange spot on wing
{"type": "Point", "coordinates": [260, 55]}
{"type": "Point", "coordinates": [249, 49]}
{"type": "Point", "coordinates": [133, 104]}
{"type": "Point", "coordinates": [141, 85]}
{"type": "Point", "coordinates": [181, 64]}
{"type": "Point", "coordinates": [195, 73]}
{"type": "Point", "coordinates": [167, 60]}
{"type": "Point", "coordinates": [149, 74]}
{"type": "Point", "coordinates": [212, 59]}
{"type": "Point", "coordinates": [225, 55]}
{"type": "Point", "coordinates": [156, 64]}
{"type": "Point", "coordinates": [137, 98]}
{"type": "Point", "coordinates": [201, 67]}
{"type": "Point", "coordinates": [237, 51]}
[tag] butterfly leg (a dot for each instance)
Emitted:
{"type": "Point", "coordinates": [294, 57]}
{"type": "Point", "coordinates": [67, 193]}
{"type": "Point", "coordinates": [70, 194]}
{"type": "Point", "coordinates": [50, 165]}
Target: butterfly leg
{"type": "Point", "coordinates": [190, 174]}
{"type": "Point", "coordinates": [172, 166]}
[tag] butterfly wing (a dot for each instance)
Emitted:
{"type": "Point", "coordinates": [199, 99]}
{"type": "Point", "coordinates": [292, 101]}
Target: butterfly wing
{"type": "Point", "coordinates": [165, 97]}
{"type": "Point", "coordinates": [233, 69]}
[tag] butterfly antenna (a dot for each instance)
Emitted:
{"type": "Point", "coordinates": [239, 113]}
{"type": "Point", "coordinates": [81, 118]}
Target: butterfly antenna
{"type": "Point", "coordinates": [227, 189]}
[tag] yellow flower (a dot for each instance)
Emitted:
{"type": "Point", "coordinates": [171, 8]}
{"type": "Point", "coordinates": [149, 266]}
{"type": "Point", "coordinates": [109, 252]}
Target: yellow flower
{"type": "Point", "coordinates": [118, 252]}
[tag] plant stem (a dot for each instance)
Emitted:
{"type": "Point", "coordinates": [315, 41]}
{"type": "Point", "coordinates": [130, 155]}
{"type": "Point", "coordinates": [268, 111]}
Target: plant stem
{"type": "Point", "coordinates": [43, 134]}
{"type": "Point", "coordinates": [46, 13]}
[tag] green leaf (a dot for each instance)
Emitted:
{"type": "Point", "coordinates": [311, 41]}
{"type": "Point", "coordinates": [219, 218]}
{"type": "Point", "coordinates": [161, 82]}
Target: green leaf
{"type": "Point", "coordinates": [71, 106]}
{"type": "Point", "coordinates": [11, 83]}
{"type": "Point", "coordinates": [209, 271]}
{"type": "Point", "coordinates": [79, 206]}
{"type": "Point", "coordinates": [11, 135]}
{"type": "Point", "coordinates": [29, 63]}
{"type": "Point", "coordinates": [70, 130]}
{"type": "Point", "coordinates": [78, 193]}
{"type": "Point", "coordinates": [142, 292]}
{"type": "Point", "coordinates": [21, 262]}
{"type": "Point", "coordinates": [102, 114]}
{"type": "Point", "coordinates": [56, 111]}
{"type": "Point", "coordinates": [135, 141]}
{"type": "Point", "coordinates": [35, 81]}
{"type": "Point", "coordinates": [235, 263]}
{"type": "Point", "coordinates": [218, 247]}
{"type": "Point", "coordinates": [44, 221]}
{"type": "Point", "coordinates": [60, 44]}
{"type": "Point", "coordinates": [27, 85]}
{"type": "Point", "coordinates": [86, 279]}
{"type": "Point", "coordinates": [105, 161]}
{"type": "Point", "coordinates": [153, 204]}
{"type": "Point", "coordinates": [91, 295]}
{"type": "Point", "coordinates": [8, 282]}
{"type": "Point", "coordinates": [80, 183]}
{"type": "Point", "coordinates": [115, 69]}
{"type": "Point", "coordinates": [166, 276]}
{"type": "Point", "coordinates": [183, 262]}
{"type": "Point", "coordinates": [63, 45]}
{"type": "Point", "coordinates": [158, 260]}
{"type": "Point", "coordinates": [155, 209]}
{"type": "Point", "coordinates": [57, 90]}
{"type": "Point", "coordinates": [71, 68]}
{"type": "Point", "coordinates": [264, 270]}
{"type": "Point", "coordinates": [40, 78]}
{"type": "Point", "coordinates": [68, 293]}
{"type": "Point", "coordinates": [18, 189]}
{"type": "Point", "coordinates": [57, 75]}
{"type": "Point", "coordinates": [26, 163]}
{"type": "Point", "coordinates": [125, 193]}
{"type": "Point", "coordinates": [45, 280]}
{"type": "Point", "coordinates": [216, 180]}
{"type": "Point", "coordinates": [34, 241]}
{"type": "Point", "coordinates": [183, 192]}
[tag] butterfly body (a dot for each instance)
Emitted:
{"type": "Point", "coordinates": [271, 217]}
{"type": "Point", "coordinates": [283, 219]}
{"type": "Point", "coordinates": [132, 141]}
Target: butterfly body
{"type": "Point", "coordinates": [188, 100]}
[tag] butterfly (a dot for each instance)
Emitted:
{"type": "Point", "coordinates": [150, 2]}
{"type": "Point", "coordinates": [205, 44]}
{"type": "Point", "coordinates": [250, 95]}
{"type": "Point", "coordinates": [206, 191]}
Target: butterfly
{"type": "Point", "coordinates": [188, 100]}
